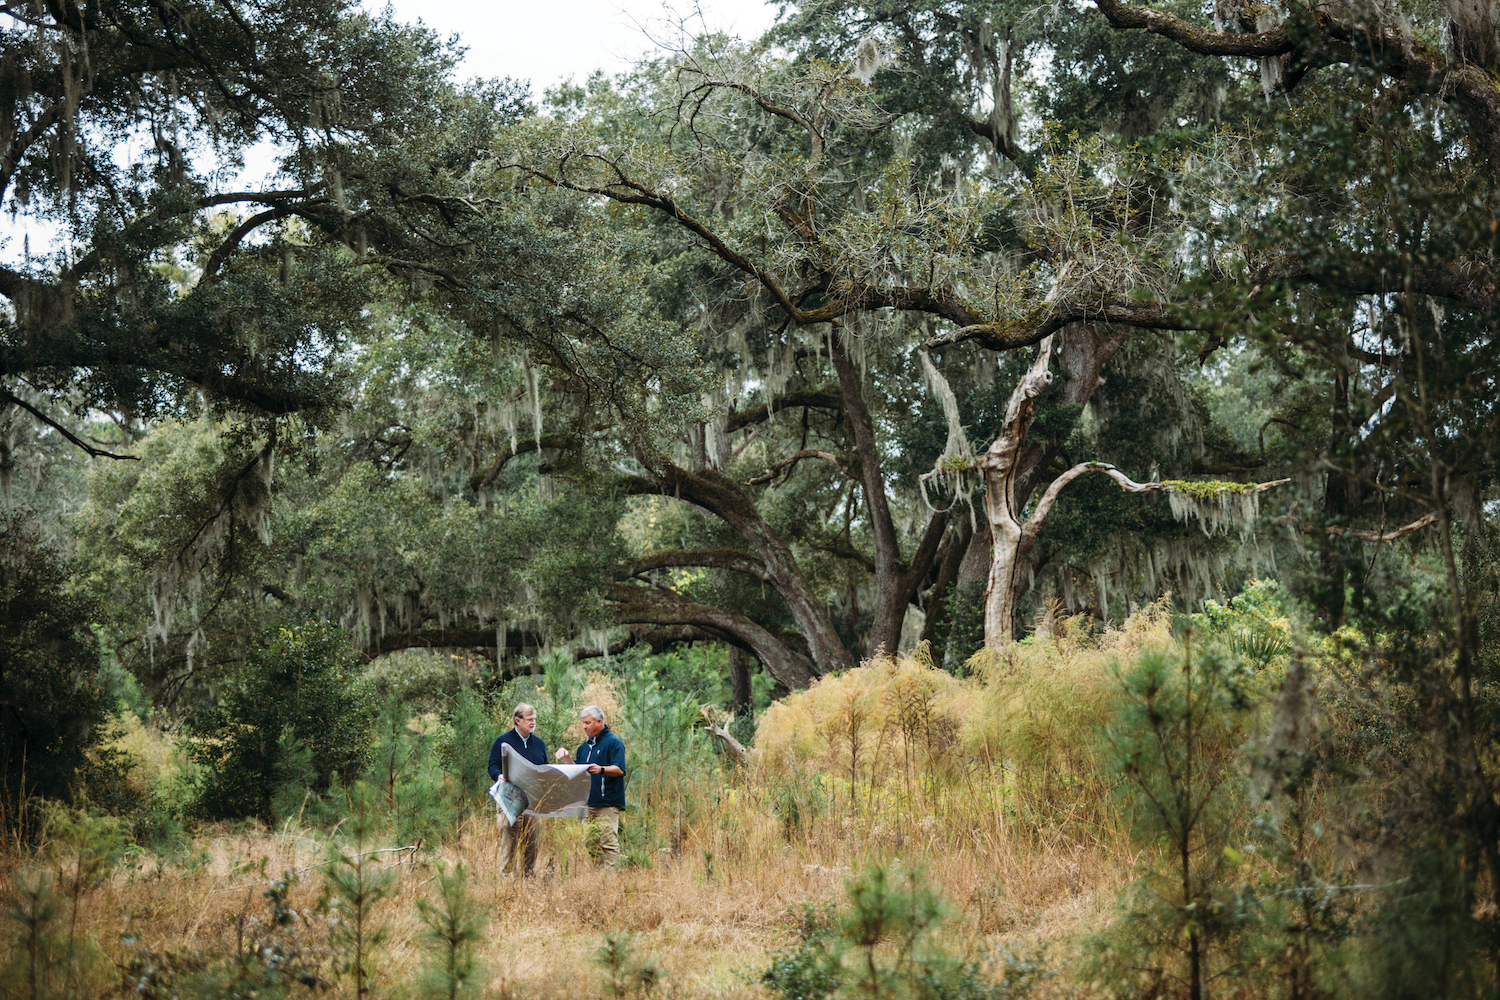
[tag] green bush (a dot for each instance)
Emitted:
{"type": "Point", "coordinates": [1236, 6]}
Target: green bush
{"type": "Point", "coordinates": [884, 943]}
{"type": "Point", "coordinates": [287, 719]}
{"type": "Point", "coordinates": [52, 708]}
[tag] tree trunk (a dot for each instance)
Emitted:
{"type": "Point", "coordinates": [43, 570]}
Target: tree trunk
{"type": "Point", "coordinates": [1014, 466]}
{"type": "Point", "coordinates": [1336, 506]}
{"type": "Point", "coordinates": [949, 559]}
{"type": "Point", "coordinates": [1003, 504]}
{"type": "Point", "coordinates": [743, 702]}
{"type": "Point", "coordinates": [890, 596]}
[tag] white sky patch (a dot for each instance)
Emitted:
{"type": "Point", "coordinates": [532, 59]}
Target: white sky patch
{"type": "Point", "coordinates": [550, 42]}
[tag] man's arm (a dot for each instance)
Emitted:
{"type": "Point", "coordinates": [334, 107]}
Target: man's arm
{"type": "Point", "coordinates": [495, 759]}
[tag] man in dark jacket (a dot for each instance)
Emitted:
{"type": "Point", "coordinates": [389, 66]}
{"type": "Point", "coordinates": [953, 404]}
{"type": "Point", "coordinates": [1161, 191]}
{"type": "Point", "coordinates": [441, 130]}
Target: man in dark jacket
{"type": "Point", "coordinates": [522, 740]}
{"type": "Point", "coordinates": [604, 753]}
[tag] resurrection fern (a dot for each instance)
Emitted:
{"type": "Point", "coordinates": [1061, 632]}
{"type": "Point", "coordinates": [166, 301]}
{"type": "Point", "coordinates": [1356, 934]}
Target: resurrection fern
{"type": "Point", "coordinates": [1218, 506]}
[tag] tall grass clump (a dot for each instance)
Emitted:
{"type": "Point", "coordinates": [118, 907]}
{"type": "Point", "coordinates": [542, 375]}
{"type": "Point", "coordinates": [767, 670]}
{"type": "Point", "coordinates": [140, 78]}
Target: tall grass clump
{"type": "Point", "coordinates": [877, 741]}
{"type": "Point", "coordinates": [1036, 713]}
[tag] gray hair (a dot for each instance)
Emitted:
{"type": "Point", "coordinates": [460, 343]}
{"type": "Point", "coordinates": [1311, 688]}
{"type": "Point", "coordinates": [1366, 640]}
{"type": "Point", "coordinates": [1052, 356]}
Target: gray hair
{"type": "Point", "coordinates": [591, 712]}
{"type": "Point", "coordinates": [523, 710]}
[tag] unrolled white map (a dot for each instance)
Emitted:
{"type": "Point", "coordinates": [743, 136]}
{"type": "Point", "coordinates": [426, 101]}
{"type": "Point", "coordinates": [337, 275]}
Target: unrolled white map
{"type": "Point", "coordinates": [550, 791]}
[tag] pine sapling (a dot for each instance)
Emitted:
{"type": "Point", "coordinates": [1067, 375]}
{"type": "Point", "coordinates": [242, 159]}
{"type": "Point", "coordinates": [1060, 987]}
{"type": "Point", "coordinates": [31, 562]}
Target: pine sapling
{"type": "Point", "coordinates": [35, 943]}
{"type": "Point", "coordinates": [455, 924]}
{"type": "Point", "coordinates": [353, 884]}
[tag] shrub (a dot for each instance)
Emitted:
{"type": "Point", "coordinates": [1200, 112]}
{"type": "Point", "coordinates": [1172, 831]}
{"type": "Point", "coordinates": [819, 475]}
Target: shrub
{"type": "Point", "coordinates": [287, 719]}
{"type": "Point", "coordinates": [52, 708]}
{"type": "Point", "coordinates": [883, 944]}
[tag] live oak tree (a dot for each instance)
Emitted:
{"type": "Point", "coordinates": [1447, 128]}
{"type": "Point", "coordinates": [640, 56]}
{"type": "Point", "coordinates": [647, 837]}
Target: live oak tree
{"type": "Point", "coordinates": [743, 330]}
{"type": "Point", "coordinates": [196, 184]}
{"type": "Point", "coordinates": [827, 237]}
{"type": "Point", "coordinates": [1366, 207]}
{"type": "Point", "coordinates": [122, 130]}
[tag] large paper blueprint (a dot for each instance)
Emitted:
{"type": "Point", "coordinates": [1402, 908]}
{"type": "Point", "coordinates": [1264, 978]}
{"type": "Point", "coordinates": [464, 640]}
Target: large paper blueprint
{"type": "Point", "coordinates": [546, 790]}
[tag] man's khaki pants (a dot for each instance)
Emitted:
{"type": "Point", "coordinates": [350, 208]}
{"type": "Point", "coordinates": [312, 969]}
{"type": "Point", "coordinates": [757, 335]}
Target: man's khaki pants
{"type": "Point", "coordinates": [604, 835]}
{"type": "Point", "coordinates": [518, 838]}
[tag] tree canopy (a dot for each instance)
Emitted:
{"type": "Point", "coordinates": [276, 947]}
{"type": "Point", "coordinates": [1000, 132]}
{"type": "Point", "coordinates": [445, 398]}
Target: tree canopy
{"type": "Point", "coordinates": [868, 331]}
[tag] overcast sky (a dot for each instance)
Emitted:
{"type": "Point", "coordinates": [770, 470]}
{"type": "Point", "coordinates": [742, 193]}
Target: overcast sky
{"type": "Point", "coordinates": [545, 42]}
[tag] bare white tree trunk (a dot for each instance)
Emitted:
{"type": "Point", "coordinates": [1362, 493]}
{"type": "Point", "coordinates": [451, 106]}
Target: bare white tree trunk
{"type": "Point", "coordinates": [1002, 503]}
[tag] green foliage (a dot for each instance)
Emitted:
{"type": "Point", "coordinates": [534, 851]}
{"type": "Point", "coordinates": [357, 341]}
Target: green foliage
{"type": "Point", "coordinates": [54, 706]}
{"type": "Point", "coordinates": [965, 610]}
{"type": "Point", "coordinates": [426, 680]}
{"type": "Point", "coordinates": [463, 744]}
{"type": "Point", "coordinates": [288, 718]}
{"type": "Point", "coordinates": [295, 777]}
{"type": "Point", "coordinates": [405, 765]}
{"type": "Point", "coordinates": [1172, 744]}
{"type": "Point", "coordinates": [811, 967]}
{"type": "Point", "coordinates": [884, 944]}
{"type": "Point", "coordinates": [37, 948]}
{"type": "Point", "coordinates": [1259, 623]}
{"type": "Point", "coordinates": [454, 927]}
{"type": "Point", "coordinates": [353, 883]}
{"type": "Point", "coordinates": [81, 849]}
{"type": "Point", "coordinates": [624, 974]}
{"type": "Point", "coordinates": [557, 698]}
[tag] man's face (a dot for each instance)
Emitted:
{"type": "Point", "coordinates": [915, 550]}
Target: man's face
{"type": "Point", "coordinates": [592, 727]}
{"type": "Point", "coordinates": [525, 724]}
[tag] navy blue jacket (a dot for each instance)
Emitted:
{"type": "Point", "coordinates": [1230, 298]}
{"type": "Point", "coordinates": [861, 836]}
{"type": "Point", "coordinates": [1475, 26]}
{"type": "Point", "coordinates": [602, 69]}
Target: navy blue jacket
{"type": "Point", "coordinates": [533, 749]}
{"type": "Point", "coordinates": [604, 750]}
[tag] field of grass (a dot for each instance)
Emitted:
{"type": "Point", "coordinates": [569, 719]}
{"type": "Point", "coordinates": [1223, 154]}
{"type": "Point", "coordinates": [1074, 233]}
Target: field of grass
{"type": "Point", "coordinates": [992, 792]}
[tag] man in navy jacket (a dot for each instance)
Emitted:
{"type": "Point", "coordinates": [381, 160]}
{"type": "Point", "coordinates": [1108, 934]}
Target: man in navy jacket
{"type": "Point", "coordinates": [521, 738]}
{"type": "Point", "coordinates": [604, 753]}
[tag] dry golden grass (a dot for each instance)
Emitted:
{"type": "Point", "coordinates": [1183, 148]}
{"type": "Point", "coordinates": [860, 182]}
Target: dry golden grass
{"type": "Point", "coordinates": [989, 784]}
{"type": "Point", "coordinates": [713, 932]}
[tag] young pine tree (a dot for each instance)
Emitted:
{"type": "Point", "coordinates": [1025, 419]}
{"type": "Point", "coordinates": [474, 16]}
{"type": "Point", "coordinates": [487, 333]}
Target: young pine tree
{"type": "Point", "coordinates": [455, 924]}
{"type": "Point", "coordinates": [353, 883]}
{"type": "Point", "coordinates": [35, 945]}
{"type": "Point", "coordinates": [1173, 745]}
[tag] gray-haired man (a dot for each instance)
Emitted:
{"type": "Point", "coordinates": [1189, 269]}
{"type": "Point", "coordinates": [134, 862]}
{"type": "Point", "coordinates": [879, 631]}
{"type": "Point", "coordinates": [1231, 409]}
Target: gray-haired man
{"type": "Point", "coordinates": [604, 753]}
